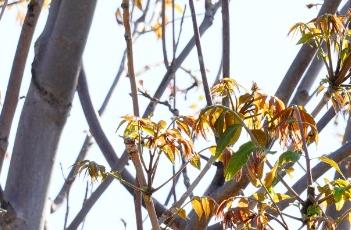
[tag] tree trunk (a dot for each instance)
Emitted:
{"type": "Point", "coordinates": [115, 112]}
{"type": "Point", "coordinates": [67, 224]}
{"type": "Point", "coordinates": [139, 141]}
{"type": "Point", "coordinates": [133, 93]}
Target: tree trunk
{"type": "Point", "coordinates": [54, 78]}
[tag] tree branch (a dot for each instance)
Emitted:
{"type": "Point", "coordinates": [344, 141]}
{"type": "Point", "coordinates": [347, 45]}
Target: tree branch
{"type": "Point", "coordinates": [302, 59]}
{"type": "Point", "coordinates": [199, 54]}
{"type": "Point", "coordinates": [16, 75]}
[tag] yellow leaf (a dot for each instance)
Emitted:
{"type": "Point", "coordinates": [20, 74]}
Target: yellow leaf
{"type": "Point", "coordinates": [260, 137]}
{"type": "Point", "coordinates": [181, 213]}
{"type": "Point", "coordinates": [138, 4]}
{"type": "Point", "coordinates": [280, 196]}
{"type": "Point", "coordinates": [243, 203]}
{"type": "Point", "coordinates": [213, 150]}
{"type": "Point", "coordinates": [195, 161]}
{"type": "Point", "coordinates": [197, 206]}
{"type": "Point", "coordinates": [270, 176]}
{"type": "Point", "coordinates": [206, 206]}
{"type": "Point", "coordinates": [259, 196]}
{"type": "Point", "coordinates": [331, 163]}
{"type": "Point", "coordinates": [290, 171]}
{"type": "Point", "coordinates": [339, 204]}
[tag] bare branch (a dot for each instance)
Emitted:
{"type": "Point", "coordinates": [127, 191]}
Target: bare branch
{"type": "Point", "coordinates": [199, 54]}
{"type": "Point", "coordinates": [206, 23]}
{"type": "Point", "coordinates": [16, 75]}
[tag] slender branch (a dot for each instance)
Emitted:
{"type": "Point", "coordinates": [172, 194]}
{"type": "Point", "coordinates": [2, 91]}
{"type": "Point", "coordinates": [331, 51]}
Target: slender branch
{"type": "Point", "coordinates": [134, 154]}
{"type": "Point", "coordinates": [326, 118]}
{"type": "Point", "coordinates": [7, 4]}
{"type": "Point", "coordinates": [274, 204]}
{"type": "Point", "coordinates": [292, 191]}
{"type": "Point", "coordinates": [199, 54]}
{"type": "Point", "coordinates": [16, 75]}
{"type": "Point", "coordinates": [163, 27]}
{"type": "Point", "coordinates": [320, 105]}
{"type": "Point", "coordinates": [225, 45]}
{"type": "Point", "coordinates": [343, 216]}
{"type": "Point", "coordinates": [62, 195]}
{"type": "Point", "coordinates": [3, 7]}
{"type": "Point", "coordinates": [304, 146]}
{"type": "Point", "coordinates": [128, 38]}
{"type": "Point", "coordinates": [171, 178]}
{"type": "Point", "coordinates": [225, 38]}
{"type": "Point", "coordinates": [131, 75]}
{"type": "Point", "coordinates": [170, 193]}
{"type": "Point", "coordinates": [206, 23]}
{"type": "Point", "coordinates": [186, 179]}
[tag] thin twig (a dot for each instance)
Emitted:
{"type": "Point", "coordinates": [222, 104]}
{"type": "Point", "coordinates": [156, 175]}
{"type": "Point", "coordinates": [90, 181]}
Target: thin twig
{"type": "Point", "coordinates": [67, 201]}
{"type": "Point", "coordinates": [304, 146]}
{"type": "Point", "coordinates": [286, 185]}
{"type": "Point", "coordinates": [174, 111]}
{"type": "Point", "coordinates": [7, 4]}
{"type": "Point", "coordinates": [171, 178]}
{"type": "Point", "coordinates": [274, 203]}
{"type": "Point", "coordinates": [3, 7]}
{"type": "Point", "coordinates": [85, 199]}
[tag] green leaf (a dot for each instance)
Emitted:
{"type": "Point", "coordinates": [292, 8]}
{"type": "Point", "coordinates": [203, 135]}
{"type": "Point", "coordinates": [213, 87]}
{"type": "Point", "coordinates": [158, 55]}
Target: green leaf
{"type": "Point", "coordinates": [287, 157]}
{"type": "Point", "coordinates": [226, 138]}
{"type": "Point", "coordinates": [219, 124]}
{"type": "Point", "coordinates": [284, 158]}
{"type": "Point", "coordinates": [238, 160]}
{"type": "Point", "coordinates": [305, 38]}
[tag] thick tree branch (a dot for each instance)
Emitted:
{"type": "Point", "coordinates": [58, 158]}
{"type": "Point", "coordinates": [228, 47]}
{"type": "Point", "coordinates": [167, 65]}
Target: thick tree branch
{"type": "Point", "coordinates": [46, 108]}
{"type": "Point", "coordinates": [16, 75]}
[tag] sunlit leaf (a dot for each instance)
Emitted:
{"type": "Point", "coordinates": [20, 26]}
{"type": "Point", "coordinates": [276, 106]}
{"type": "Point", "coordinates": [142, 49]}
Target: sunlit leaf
{"type": "Point", "coordinates": [331, 163]}
{"type": "Point", "coordinates": [181, 213]}
{"type": "Point", "coordinates": [277, 197]}
{"type": "Point", "coordinates": [260, 196]}
{"type": "Point", "coordinates": [195, 161]}
{"type": "Point", "coordinates": [138, 4]}
{"type": "Point", "coordinates": [284, 158]}
{"type": "Point", "coordinates": [203, 206]}
{"type": "Point", "coordinates": [197, 206]}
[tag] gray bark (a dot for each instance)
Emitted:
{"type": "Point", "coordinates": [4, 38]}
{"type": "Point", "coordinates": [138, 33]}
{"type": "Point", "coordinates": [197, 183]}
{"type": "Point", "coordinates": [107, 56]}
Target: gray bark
{"type": "Point", "coordinates": [48, 102]}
